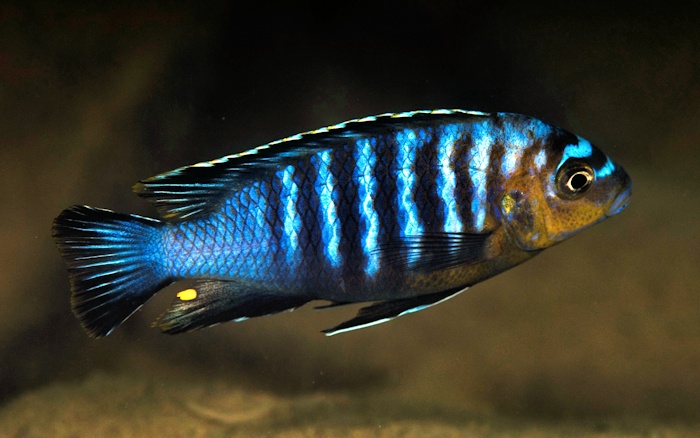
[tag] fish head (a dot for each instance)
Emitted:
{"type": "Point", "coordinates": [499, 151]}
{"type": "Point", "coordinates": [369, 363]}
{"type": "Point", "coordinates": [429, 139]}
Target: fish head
{"type": "Point", "coordinates": [572, 186]}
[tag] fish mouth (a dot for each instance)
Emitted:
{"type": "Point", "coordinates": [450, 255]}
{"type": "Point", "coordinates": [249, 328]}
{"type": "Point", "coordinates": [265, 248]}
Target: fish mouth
{"type": "Point", "coordinates": [621, 201]}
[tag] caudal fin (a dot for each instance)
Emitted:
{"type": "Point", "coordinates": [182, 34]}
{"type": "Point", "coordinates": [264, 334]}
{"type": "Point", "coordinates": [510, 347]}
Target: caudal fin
{"type": "Point", "coordinates": [112, 263]}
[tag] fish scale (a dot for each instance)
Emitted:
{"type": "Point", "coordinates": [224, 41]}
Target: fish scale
{"type": "Point", "coordinates": [404, 209]}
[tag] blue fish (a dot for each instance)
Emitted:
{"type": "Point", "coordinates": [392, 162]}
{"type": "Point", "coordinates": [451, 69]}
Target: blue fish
{"type": "Point", "coordinates": [404, 210]}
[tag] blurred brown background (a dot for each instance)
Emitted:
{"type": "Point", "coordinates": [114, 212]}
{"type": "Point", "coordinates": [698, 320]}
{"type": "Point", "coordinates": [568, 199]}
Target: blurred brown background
{"type": "Point", "coordinates": [94, 97]}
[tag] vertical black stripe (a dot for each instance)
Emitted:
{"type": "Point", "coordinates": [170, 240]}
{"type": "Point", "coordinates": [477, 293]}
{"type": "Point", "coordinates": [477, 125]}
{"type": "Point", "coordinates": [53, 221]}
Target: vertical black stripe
{"type": "Point", "coordinates": [426, 197]}
{"type": "Point", "coordinates": [342, 167]}
{"type": "Point", "coordinates": [385, 173]}
{"type": "Point", "coordinates": [274, 214]}
{"type": "Point", "coordinates": [464, 190]}
{"type": "Point", "coordinates": [308, 207]}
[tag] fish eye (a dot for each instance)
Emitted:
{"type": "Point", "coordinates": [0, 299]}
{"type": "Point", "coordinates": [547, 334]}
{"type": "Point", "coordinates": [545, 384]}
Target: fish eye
{"type": "Point", "coordinates": [575, 180]}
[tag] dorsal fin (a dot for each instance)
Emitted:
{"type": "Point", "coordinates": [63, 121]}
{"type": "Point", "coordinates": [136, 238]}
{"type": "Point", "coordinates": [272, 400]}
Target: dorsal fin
{"type": "Point", "coordinates": [192, 190]}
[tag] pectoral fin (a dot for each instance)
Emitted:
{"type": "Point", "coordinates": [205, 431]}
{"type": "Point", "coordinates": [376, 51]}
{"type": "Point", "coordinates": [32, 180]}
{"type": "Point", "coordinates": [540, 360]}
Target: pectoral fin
{"type": "Point", "coordinates": [387, 310]}
{"type": "Point", "coordinates": [434, 251]}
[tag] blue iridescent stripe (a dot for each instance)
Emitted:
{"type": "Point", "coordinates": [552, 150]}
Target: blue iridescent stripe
{"type": "Point", "coordinates": [541, 159]}
{"type": "Point", "coordinates": [582, 149]}
{"type": "Point", "coordinates": [479, 160]}
{"type": "Point", "coordinates": [408, 219]}
{"type": "Point", "coordinates": [365, 159]}
{"type": "Point", "coordinates": [292, 220]}
{"type": "Point", "coordinates": [447, 180]}
{"type": "Point", "coordinates": [516, 138]}
{"type": "Point", "coordinates": [330, 226]}
{"type": "Point", "coordinates": [257, 205]}
{"type": "Point", "coordinates": [514, 141]}
{"type": "Point", "coordinates": [606, 170]}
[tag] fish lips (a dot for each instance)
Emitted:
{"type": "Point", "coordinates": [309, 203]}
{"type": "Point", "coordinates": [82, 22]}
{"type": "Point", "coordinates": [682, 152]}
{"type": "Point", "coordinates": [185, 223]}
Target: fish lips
{"type": "Point", "coordinates": [621, 201]}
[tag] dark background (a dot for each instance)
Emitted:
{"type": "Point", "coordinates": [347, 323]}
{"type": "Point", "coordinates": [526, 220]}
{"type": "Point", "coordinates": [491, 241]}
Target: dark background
{"type": "Point", "coordinates": [94, 97]}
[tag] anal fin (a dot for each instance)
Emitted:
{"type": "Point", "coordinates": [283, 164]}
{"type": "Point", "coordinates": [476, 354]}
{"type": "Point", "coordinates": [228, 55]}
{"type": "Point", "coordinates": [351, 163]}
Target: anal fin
{"type": "Point", "coordinates": [334, 304]}
{"type": "Point", "coordinates": [384, 311]}
{"type": "Point", "coordinates": [211, 302]}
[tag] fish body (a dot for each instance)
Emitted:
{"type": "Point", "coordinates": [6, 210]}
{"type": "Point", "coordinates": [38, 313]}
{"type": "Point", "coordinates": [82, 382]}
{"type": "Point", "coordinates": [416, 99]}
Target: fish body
{"type": "Point", "coordinates": [404, 209]}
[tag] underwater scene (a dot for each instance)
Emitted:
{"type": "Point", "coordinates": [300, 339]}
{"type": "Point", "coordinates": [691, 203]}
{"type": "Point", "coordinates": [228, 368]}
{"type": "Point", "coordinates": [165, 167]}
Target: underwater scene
{"type": "Point", "coordinates": [178, 177]}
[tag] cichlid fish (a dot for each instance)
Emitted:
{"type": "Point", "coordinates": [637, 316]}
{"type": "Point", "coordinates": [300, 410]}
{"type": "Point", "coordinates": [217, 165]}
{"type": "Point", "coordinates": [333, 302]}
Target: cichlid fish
{"type": "Point", "coordinates": [406, 210]}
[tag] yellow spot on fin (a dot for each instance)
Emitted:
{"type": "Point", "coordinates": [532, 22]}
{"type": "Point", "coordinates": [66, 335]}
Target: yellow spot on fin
{"type": "Point", "coordinates": [187, 294]}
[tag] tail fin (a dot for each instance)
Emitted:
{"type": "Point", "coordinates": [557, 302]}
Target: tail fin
{"type": "Point", "coordinates": [113, 268]}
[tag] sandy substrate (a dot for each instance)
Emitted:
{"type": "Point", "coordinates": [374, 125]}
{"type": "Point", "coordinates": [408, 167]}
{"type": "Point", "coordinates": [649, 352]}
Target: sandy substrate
{"type": "Point", "coordinates": [135, 405]}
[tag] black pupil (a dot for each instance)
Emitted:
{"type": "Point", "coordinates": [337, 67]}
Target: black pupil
{"type": "Point", "coordinates": [578, 180]}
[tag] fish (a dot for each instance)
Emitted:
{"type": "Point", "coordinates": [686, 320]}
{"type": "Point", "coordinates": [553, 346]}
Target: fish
{"type": "Point", "coordinates": [400, 211]}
